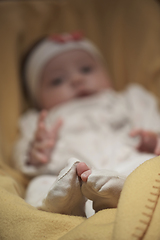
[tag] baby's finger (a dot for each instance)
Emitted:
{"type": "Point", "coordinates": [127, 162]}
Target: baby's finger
{"type": "Point", "coordinates": [41, 128]}
{"type": "Point", "coordinates": [157, 149]}
{"type": "Point", "coordinates": [55, 128]}
{"type": "Point", "coordinates": [135, 132]}
{"type": "Point", "coordinates": [38, 157]}
{"type": "Point", "coordinates": [42, 116]}
{"type": "Point", "coordinates": [41, 132]}
{"type": "Point", "coordinates": [140, 148]}
{"type": "Point", "coordinates": [83, 171]}
{"type": "Point", "coordinates": [157, 152]}
{"type": "Point", "coordinates": [44, 145]}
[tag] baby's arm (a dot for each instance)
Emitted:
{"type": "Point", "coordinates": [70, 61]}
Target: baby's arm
{"type": "Point", "coordinates": [149, 141]}
{"type": "Point", "coordinates": [44, 141]}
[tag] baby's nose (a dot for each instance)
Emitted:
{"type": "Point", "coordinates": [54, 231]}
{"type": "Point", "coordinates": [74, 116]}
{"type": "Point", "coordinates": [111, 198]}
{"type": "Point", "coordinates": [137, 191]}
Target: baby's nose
{"type": "Point", "coordinates": [77, 80]}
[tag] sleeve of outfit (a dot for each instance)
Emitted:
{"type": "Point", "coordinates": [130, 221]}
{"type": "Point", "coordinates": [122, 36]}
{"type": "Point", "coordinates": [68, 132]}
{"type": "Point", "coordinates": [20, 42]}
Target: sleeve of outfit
{"type": "Point", "coordinates": [27, 128]}
{"type": "Point", "coordinates": [144, 108]}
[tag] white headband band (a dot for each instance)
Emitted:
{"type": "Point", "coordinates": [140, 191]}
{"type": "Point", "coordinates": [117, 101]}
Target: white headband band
{"type": "Point", "coordinates": [45, 51]}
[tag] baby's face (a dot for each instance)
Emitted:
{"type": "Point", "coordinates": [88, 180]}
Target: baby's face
{"type": "Point", "coordinates": [71, 75]}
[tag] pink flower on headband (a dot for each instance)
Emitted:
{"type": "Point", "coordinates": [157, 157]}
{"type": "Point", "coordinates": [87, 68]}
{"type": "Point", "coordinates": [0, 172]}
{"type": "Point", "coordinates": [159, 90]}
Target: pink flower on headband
{"type": "Point", "coordinates": [63, 38]}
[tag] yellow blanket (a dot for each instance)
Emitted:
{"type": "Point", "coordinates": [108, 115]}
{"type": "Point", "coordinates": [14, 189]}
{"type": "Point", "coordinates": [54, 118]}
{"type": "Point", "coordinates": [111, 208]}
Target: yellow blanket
{"type": "Point", "coordinates": [128, 33]}
{"type": "Point", "coordinates": [137, 215]}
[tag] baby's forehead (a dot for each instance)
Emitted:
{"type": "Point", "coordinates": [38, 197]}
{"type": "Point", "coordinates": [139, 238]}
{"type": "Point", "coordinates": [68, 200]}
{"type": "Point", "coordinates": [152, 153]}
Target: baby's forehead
{"type": "Point", "coordinates": [70, 57]}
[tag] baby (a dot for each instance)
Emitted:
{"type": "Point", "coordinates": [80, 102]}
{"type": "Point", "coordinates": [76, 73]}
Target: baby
{"type": "Point", "coordinates": [78, 114]}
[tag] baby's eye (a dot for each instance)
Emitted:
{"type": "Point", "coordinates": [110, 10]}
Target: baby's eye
{"type": "Point", "coordinates": [56, 82]}
{"type": "Point", "coordinates": [86, 69]}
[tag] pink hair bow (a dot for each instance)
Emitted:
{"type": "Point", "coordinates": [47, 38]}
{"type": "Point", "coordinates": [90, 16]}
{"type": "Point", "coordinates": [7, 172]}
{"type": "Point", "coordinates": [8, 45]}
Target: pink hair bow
{"type": "Point", "coordinates": [63, 38]}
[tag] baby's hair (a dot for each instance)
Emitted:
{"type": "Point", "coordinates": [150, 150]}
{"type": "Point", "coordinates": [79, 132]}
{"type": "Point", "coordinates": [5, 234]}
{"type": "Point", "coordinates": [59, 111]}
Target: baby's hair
{"type": "Point", "coordinates": [23, 68]}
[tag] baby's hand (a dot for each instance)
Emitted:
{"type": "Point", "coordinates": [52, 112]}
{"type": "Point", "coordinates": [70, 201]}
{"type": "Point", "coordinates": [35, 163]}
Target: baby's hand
{"type": "Point", "coordinates": [148, 140]}
{"type": "Point", "coordinates": [44, 141]}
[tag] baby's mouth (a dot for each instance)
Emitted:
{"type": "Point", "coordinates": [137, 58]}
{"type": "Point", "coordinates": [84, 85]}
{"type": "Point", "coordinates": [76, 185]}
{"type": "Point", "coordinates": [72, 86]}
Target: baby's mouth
{"type": "Point", "coordinates": [84, 94]}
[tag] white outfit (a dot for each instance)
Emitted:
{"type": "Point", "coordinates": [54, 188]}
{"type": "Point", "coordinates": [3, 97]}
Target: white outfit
{"type": "Point", "coordinates": [95, 130]}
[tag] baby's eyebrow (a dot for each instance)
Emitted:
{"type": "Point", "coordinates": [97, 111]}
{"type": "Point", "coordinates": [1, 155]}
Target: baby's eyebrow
{"type": "Point", "coordinates": [85, 62]}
